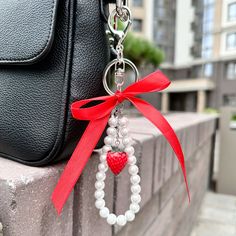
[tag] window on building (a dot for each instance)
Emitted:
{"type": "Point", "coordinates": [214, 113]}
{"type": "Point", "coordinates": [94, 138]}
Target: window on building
{"type": "Point", "coordinates": [209, 12]}
{"type": "Point", "coordinates": [207, 2]}
{"type": "Point", "coordinates": [160, 36]}
{"type": "Point", "coordinates": [229, 100]}
{"type": "Point", "coordinates": [137, 3]}
{"type": "Point", "coordinates": [231, 41]}
{"type": "Point", "coordinates": [208, 26]}
{"type": "Point", "coordinates": [231, 71]}
{"type": "Point", "coordinates": [208, 70]}
{"type": "Point", "coordinates": [208, 23]}
{"type": "Point", "coordinates": [137, 25]}
{"type": "Point", "coordinates": [207, 46]}
{"type": "Point", "coordinates": [232, 11]}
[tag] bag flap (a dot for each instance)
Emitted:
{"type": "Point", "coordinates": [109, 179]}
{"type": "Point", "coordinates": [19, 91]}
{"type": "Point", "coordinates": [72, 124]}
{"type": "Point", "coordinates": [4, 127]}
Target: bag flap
{"type": "Point", "coordinates": [26, 30]}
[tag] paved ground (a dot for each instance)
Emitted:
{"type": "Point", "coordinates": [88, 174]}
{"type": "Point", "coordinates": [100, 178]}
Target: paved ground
{"type": "Point", "coordinates": [217, 216]}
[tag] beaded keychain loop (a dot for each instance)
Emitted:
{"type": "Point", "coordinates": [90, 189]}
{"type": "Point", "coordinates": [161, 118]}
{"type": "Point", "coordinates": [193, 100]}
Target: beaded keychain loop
{"type": "Point", "coordinates": [118, 149]}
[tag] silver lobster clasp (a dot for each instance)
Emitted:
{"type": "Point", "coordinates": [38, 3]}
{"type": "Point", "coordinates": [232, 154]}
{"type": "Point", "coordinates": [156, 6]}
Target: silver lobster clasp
{"type": "Point", "coordinates": [120, 35]}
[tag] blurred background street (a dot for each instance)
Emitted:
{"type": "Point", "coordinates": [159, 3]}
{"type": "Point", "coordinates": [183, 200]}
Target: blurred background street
{"type": "Point", "coordinates": [198, 41]}
{"type": "Point", "coordinates": [195, 45]}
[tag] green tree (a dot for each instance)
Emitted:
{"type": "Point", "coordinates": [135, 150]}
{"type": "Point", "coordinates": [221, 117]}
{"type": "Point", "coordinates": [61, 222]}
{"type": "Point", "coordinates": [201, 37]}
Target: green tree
{"type": "Point", "coordinates": [142, 51]}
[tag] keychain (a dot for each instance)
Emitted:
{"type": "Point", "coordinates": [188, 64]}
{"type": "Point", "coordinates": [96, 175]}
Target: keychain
{"type": "Point", "coordinates": [117, 151]}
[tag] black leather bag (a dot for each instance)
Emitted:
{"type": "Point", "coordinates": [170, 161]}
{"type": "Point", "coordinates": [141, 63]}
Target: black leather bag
{"type": "Point", "coordinates": [52, 52]}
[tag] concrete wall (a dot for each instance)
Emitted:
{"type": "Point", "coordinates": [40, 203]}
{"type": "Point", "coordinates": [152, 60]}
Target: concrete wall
{"type": "Point", "coordinates": [26, 210]}
{"type": "Point", "coordinates": [227, 174]}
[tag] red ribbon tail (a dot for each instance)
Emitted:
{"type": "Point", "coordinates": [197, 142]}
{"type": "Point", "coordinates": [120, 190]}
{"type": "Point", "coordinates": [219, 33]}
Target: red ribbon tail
{"type": "Point", "coordinates": [162, 124]}
{"type": "Point", "coordinates": [78, 161]}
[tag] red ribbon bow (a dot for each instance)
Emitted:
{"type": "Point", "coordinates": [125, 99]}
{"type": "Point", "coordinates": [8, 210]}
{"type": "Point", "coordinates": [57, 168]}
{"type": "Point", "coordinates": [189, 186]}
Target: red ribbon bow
{"type": "Point", "coordinates": [98, 116]}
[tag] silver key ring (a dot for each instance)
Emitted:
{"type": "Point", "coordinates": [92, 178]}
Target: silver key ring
{"type": "Point", "coordinates": [114, 63]}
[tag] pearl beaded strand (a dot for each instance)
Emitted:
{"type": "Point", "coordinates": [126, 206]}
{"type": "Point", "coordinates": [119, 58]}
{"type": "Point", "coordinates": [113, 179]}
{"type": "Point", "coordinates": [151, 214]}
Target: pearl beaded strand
{"type": "Point", "coordinates": [118, 137]}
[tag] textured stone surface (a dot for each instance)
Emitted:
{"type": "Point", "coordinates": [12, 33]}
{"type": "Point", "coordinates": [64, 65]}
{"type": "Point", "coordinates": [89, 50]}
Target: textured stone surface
{"type": "Point", "coordinates": [159, 164]}
{"type": "Point", "coordinates": [217, 216]}
{"type": "Point", "coordinates": [1, 229]}
{"type": "Point", "coordinates": [143, 220]}
{"type": "Point", "coordinates": [25, 191]}
{"type": "Point", "coordinates": [146, 142]}
{"type": "Point", "coordinates": [162, 222]}
{"type": "Point", "coordinates": [173, 216]}
{"type": "Point", "coordinates": [25, 206]}
{"type": "Point", "coordinates": [144, 151]}
{"type": "Point", "coordinates": [87, 221]}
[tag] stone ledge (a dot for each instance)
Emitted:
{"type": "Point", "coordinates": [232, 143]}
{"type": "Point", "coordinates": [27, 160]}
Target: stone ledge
{"type": "Point", "coordinates": [27, 190]}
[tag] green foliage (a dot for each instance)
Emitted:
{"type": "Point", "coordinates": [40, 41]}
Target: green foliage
{"type": "Point", "coordinates": [233, 117]}
{"type": "Point", "coordinates": [211, 111]}
{"type": "Point", "coordinates": [141, 51]}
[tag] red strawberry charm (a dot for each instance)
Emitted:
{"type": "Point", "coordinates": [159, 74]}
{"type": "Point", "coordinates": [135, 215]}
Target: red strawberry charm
{"type": "Point", "coordinates": [117, 161]}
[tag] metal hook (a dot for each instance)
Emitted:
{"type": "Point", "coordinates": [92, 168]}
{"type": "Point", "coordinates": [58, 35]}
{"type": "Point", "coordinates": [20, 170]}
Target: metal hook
{"type": "Point", "coordinates": [120, 35]}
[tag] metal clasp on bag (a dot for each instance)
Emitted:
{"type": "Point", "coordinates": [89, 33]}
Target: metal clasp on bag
{"type": "Point", "coordinates": [120, 35]}
{"type": "Point", "coordinates": [120, 8]}
{"type": "Point", "coordinates": [123, 14]}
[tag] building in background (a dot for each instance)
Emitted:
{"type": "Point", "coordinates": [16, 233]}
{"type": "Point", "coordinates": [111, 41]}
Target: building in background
{"type": "Point", "coordinates": [199, 40]}
{"type": "Point", "coordinates": [143, 18]}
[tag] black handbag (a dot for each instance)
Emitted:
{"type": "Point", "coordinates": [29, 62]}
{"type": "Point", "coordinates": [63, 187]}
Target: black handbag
{"type": "Point", "coordinates": [52, 52]}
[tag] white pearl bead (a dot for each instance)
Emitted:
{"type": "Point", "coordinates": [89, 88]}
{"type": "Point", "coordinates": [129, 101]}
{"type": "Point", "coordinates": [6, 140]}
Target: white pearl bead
{"type": "Point", "coordinates": [127, 141]}
{"type": "Point", "coordinates": [99, 185]}
{"type": "Point", "coordinates": [129, 215]}
{"type": "Point", "coordinates": [136, 188]}
{"type": "Point", "coordinates": [135, 198]}
{"type": "Point", "coordinates": [111, 131]}
{"type": "Point", "coordinates": [132, 160]}
{"type": "Point", "coordinates": [135, 179]}
{"type": "Point", "coordinates": [102, 167]}
{"type": "Point", "coordinates": [100, 203]}
{"type": "Point", "coordinates": [108, 140]}
{"type": "Point", "coordinates": [111, 219]}
{"type": "Point", "coordinates": [123, 121]}
{"type": "Point", "coordinates": [129, 150]}
{"type": "Point", "coordinates": [124, 131]}
{"type": "Point", "coordinates": [106, 149]}
{"type": "Point", "coordinates": [104, 212]}
{"type": "Point", "coordinates": [133, 170]}
{"type": "Point", "coordinates": [113, 122]}
{"type": "Point", "coordinates": [134, 207]}
{"type": "Point", "coordinates": [103, 158]}
{"type": "Point", "coordinates": [121, 220]}
{"type": "Point", "coordinates": [99, 194]}
{"type": "Point", "coordinates": [100, 176]}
